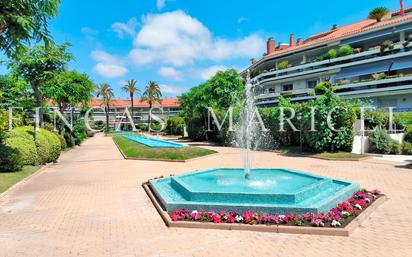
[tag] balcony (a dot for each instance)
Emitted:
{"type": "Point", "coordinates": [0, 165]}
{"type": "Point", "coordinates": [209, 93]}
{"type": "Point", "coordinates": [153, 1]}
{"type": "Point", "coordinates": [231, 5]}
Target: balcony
{"type": "Point", "coordinates": [362, 89]}
{"type": "Point", "coordinates": [369, 56]}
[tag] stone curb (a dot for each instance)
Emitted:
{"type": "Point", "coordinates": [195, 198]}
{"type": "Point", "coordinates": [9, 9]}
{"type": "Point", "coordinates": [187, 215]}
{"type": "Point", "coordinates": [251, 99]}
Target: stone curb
{"type": "Point", "coordinates": [346, 231]}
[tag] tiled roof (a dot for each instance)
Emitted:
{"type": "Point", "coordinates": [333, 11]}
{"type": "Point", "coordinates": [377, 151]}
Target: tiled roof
{"type": "Point", "coordinates": [166, 102]}
{"type": "Point", "coordinates": [345, 31]}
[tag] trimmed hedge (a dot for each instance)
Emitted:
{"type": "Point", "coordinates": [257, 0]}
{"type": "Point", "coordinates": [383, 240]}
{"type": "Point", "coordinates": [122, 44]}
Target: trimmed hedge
{"type": "Point", "coordinates": [21, 139]}
{"type": "Point", "coordinates": [10, 159]}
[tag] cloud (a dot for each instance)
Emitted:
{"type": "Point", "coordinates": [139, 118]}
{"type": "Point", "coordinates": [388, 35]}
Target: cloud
{"type": "Point", "coordinates": [177, 39]}
{"type": "Point", "coordinates": [89, 31]}
{"type": "Point", "coordinates": [125, 29]}
{"type": "Point", "coordinates": [170, 73]}
{"type": "Point", "coordinates": [207, 73]}
{"type": "Point", "coordinates": [160, 4]}
{"type": "Point", "coordinates": [171, 90]}
{"type": "Point", "coordinates": [108, 65]}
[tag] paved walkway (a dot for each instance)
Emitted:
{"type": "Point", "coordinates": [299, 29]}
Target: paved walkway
{"type": "Point", "coordinates": [91, 204]}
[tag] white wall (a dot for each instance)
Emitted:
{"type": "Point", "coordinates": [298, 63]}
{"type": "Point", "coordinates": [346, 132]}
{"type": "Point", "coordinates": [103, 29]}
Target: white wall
{"type": "Point", "coordinates": [357, 146]}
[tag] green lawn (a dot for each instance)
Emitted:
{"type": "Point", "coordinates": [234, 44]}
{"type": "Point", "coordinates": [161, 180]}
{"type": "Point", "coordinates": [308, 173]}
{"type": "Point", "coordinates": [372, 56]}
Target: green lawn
{"type": "Point", "coordinates": [133, 149]}
{"type": "Point", "coordinates": [293, 150]}
{"type": "Point", "coordinates": [340, 156]}
{"type": "Point", "coordinates": [10, 178]}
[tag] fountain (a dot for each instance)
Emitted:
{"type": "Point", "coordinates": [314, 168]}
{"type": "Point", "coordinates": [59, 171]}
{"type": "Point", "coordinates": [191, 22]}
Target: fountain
{"type": "Point", "coordinates": [271, 191]}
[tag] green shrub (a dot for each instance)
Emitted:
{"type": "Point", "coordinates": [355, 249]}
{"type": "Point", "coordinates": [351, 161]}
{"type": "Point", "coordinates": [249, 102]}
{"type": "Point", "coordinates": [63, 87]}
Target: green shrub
{"type": "Point", "coordinates": [396, 147]}
{"type": "Point", "coordinates": [283, 65]}
{"type": "Point", "coordinates": [69, 139]}
{"type": "Point", "coordinates": [53, 145]}
{"type": "Point", "coordinates": [380, 141]}
{"type": "Point", "coordinates": [407, 148]}
{"type": "Point", "coordinates": [175, 126]}
{"type": "Point", "coordinates": [63, 143]}
{"type": "Point", "coordinates": [345, 50]}
{"type": "Point", "coordinates": [142, 126]}
{"type": "Point", "coordinates": [21, 139]}
{"type": "Point", "coordinates": [79, 131]}
{"type": "Point", "coordinates": [10, 159]}
{"type": "Point", "coordinates": [332, 53]}
{"type": "Point", "coordinates": [322, 87]}
{"type": "Point", "coordinates": [48, 149]}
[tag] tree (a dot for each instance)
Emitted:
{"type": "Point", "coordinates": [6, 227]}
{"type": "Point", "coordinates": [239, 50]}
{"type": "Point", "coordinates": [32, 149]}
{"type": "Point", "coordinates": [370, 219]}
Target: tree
{"type": "Point", "coordinates": [131, 88]}
{"type": "Point", "coordinates": [39, 65]}
{"type": "Point", "coordinates": [106, 92]}
{"type": "Point", "coordinates": [69, 88]}
{"type": "Point", "coordinates": [217, 93]}
{"type": "Point", "coordinates": [23, 21]}
{"type": "Point", "coordinates": [152, 94]}
{"type": "Point", "coordinates": [16, 92]}
{"type": "Point", "coordinates": [378, 13]}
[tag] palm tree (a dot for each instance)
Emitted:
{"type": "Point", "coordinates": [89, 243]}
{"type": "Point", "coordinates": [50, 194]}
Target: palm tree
{"type": "Point", "coordinates": [151, 95]}
{"type": "Point", "coordinates": [106, 92]}
{"type": "Point", "coordinates": [131, 88]}
{"type": "Point", "coordinates": [378, 13]}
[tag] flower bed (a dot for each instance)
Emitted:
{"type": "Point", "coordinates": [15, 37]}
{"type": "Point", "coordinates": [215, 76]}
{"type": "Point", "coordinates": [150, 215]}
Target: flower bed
{"type": "Point", "coordinates": [339, 216]}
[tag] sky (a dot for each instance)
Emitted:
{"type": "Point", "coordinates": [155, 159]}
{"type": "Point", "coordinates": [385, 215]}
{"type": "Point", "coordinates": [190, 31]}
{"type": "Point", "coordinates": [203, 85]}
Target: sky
{"type": "Point", "coordinates": [181, 43]}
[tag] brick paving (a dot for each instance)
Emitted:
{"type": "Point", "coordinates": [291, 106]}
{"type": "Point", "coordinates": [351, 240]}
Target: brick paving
{"type": "Point", "coordinates": [91, 204]}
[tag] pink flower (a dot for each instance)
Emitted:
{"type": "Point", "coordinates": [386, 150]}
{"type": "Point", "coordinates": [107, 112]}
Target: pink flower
{"type": "Point", "coordinates": [217, 219]}
{"type": "Point", "coordinates": [231, 219]}
{"type": "Point", "coordinates": [174, 216]}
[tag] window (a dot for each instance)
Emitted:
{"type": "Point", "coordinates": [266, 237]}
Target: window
{"type": "Point", "coordinates": [287, 87]}
{"type": "Point", "coordinates": [312, 83]}
{"type": "Point", "coordinates": [271, 90]}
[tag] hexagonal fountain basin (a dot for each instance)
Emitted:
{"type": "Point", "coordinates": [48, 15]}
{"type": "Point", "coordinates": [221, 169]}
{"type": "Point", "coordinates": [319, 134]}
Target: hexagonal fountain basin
{"type": "Point", "coordinates": [274, 191]}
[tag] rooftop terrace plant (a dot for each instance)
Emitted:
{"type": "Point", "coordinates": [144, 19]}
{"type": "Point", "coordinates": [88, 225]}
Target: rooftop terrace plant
{"type": "Point", "coordinates": [378, 13]}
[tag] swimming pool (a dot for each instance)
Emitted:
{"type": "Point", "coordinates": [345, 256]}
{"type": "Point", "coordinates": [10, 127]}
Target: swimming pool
{"type": "Point", "coordinates": [153, 142]}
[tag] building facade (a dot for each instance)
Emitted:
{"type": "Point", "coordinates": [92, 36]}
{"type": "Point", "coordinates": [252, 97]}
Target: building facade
{"type": "Point", "coordinates": [367, 60]}
{"type": "Point", "coordinates": [168, 107]}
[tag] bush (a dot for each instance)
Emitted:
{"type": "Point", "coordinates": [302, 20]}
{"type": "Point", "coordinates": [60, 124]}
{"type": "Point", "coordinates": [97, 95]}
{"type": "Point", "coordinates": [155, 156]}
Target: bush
{"type": "Point", "coordinates": [79, 131]}
{"type": "Point", "coordinates": [345, 50]}
{"type": "Point", "coordinates": [63, 143]}
{"type": "Point", "coordinates": [175, 126]}
{"type": "Point", "coordinates": [323, 87]}
{"type": "Point", "coordinates": [396, 148]}
{"type": "Point", "coordinates": [53, 144]}
{"type": "Point", "coordinates": [10, 159]}
{"type": "Point", "coordinates": [407, 148]}
{"type": "Point", "coordinates": [69, 139]}
{"type": "Point", "coordinates": [283, 65]}
{"type": "Point", "coordinates": [380, 141]}
{"type": "Point", "coordinates": [332, 53]}
{"type": "Point", "coordinates": [21, 139]}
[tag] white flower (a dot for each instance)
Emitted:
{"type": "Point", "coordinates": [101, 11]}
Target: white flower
{"type": "Point", "coordinates": [282, 217]}
{"type": "Point", "coordinates": [335, 223]}
{"type": "Point", "coordinates": [239, 218]}
{"type": "Point", "coordinates": [345, 213]}
{"type": "Point", "coordinates": [367, 200]}
{"type": "Point", "coordinates": [194, 212]}
{"type": "Point", "coordinates": [357, 206]}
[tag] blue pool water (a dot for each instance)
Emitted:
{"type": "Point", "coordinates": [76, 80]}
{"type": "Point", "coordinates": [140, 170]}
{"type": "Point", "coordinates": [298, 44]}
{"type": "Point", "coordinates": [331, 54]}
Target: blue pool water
{"type": "Point", "coordinates": [273, 191]}
{"type": "Point", "coordinates": [153, 142]}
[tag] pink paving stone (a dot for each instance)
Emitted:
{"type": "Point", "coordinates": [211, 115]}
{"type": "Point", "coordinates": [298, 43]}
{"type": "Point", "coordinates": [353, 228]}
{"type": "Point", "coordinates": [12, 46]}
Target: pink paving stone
{"type": "Point", "coordinates": [91, 204]}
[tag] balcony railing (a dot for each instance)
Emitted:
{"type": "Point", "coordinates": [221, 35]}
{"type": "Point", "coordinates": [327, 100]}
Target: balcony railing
{"type": "Point", "coordinates": [383, 85]}
{"type": "Point", "coordinates": [340, 62]}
